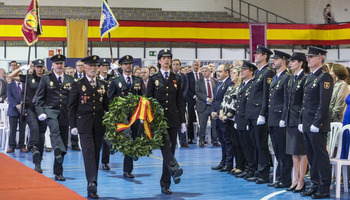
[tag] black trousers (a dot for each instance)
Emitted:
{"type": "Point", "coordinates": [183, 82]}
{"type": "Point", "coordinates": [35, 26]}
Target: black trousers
{"type": "Point", "coordinates": [105, 151]}
{"type": "Point", "coordinates": [191, 120]}
{"type": "Point", "coordinates": [170, 165]}
{"type": "Point", "coordinates": [248, 150]}
{"type": "Point", "coordinates": [37, 131]}
{"type": "Point", "coordinates": [74, 141]}
{"type": "Point", "coordinates": [320, 167]}
{"type": "Point", "coordinates": [128, 161]}
{"type": "Point", "coordinates": [226, 144]}
{"type": "Point", "coordinates": [13, 130]}
{"type": "Point", "coordinates": [236, 145]}
{"type": "Point", "coordinates": [285, 163]}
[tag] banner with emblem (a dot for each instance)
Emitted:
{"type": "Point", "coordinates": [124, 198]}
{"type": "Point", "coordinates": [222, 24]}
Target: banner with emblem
{"type": "Point", "coordinates": [31, 28]}
{"type": "Point", "coordinates": [108, 21]}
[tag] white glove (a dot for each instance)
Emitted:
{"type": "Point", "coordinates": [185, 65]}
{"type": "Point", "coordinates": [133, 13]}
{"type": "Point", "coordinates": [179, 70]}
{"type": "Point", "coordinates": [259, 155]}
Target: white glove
{"type": "Point", "coordinates": [235, 126]}
{"type": "Point", "coordinates": [42, 117]}
{"type": "Point", "coordinates": [314, 129]}
{"type": "Point", "coordinates": [141, 121]}
{"type": "Point", "coordinates": [261, 120]}
{"type": "Point", "coordinates": [74, 131]}
{"type": "Point", "coordinates": [300, 128]}
{"type": "Point", "coordinates": [24, 67]}
{"type": "Point", "coordinates": [282, 123]}
{"type": "Point", "coordinates": [247, 127]}
{"type": "Point", "coordinates": [183, 127]}
{"type": "Point", "coordinates": [114, 66]}
{"type": "Point", "coordinates": [109, 71]}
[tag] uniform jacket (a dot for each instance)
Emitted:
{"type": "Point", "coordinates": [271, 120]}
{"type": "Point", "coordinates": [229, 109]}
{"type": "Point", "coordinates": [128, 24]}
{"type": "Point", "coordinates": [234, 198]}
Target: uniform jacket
{"type": "Point", "coordinates": [259, 95]}
{"type": "Point", "coordinates": [52, 98]}
{"type": "Point", "coordinates": [201, 93]}
{"type": "Point", "coordinates": [170, 96]}
{"type": "Point", "coordinates": [87, 105]}
{"type": "Point", "coordinates": [219, 95]}
{"type": "Point", "coordinates": [240, 106]}
{"type": "Point", "coordinates": [32, 86]}
{"type": "Point", "coordinates": [13, 98]}
{"type": "Point", "coordinates": [192, 86]}
{"type": "Point", "coordinates": [278, 95]}
{"type": "Point", "coordinates": [118, 87]}
{"type": "Point", "coordinates": [295, 99]}
{"type": "Point", "coordinates": [318, 90]}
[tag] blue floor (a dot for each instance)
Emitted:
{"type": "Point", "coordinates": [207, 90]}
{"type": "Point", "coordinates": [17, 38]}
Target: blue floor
{"type": "Point", "coordinates": [197, 182]}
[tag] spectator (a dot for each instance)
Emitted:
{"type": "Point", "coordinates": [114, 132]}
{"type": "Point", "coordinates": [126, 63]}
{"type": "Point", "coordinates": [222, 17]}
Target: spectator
{"type": "Point", "coordinates": [2, 73]}
{"type": "Point", "coordinates": [328, 15]}
{"type": "Point", "coordinates": [152, 69]}
{"type": "Point", "coordinates": [70, 71]}
{"type": "Point", "coordinates": [137, 71]}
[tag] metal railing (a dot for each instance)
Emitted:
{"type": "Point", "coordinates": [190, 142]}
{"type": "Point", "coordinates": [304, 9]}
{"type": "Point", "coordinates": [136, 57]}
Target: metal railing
{"type": "Point", "coordinates": [260, 13]}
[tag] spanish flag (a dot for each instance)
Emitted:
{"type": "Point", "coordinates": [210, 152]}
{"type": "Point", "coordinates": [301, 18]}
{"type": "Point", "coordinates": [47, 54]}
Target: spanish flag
{"type": "Point", "coordinates": [31, 28]}
{"type": "Point", "coordinates": [107, 22]}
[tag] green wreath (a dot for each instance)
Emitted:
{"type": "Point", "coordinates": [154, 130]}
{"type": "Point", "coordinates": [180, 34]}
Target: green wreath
{"type": "Point", "coordinates": [120, 110]}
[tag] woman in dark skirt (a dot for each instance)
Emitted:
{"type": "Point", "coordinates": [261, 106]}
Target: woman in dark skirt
{"type": "Point", "coordinates": [295, 139]}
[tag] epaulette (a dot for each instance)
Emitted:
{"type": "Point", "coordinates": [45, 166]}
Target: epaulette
{"type": "Point", "coordinates": [77, 79]}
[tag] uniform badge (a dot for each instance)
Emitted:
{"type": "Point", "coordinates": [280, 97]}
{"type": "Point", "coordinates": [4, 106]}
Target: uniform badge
{"type": "Point", "coordinates": [269, 80]}
{"type": "Point", "coordinates": [327, 85]}
{"type": "Point", "coordinates": [137, 86]}
{"type": "Point", "coordinates": [157, 82]}
{"type": "Point", "coordinates": [51, 83]}
{"type": "Point", "coordinates": [101, 99]}
{"type": "Point", "coordinates": [83, 88]}
{"type": "Point", "coordinates": [175, 85]}
{"type": "Point", "coordinates": [67, 86]}
{"type": "Point", "coordinates": [33, 80]}
{"type": "Point", "coordinates": [314, 85]}
{"type": "Point", "coordinates": [120, 85]}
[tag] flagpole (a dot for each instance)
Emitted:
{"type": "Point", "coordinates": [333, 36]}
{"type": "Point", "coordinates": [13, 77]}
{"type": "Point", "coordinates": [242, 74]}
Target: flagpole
{"type": "Point", "coordinates": [23, 103]}
{"type": "Point", "coordinates": [110, 47]}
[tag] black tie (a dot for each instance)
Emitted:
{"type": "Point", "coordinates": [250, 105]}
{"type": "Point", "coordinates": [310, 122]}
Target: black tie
{"type": "Point", "coordinates": [59, 80]}
{"type": "Point", "coordinates": [243, 84]}
{"type": "Point", "coordinates": [295, 77]}
{"type": "Point", "coordinates": [128, 81]}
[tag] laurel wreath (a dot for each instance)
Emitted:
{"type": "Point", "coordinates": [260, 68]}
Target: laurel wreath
{"type": "Point", "coordinates": [120, 109]}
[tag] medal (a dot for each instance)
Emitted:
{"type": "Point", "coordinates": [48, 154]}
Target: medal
{"type": "Point", "coordinates": [51, 83]}
{"type": "Point", "coordinates": [120, 85]}
{"type": "Point", "coordinates": [33, 80]}
{"type": "Point", "coordinates": [101, 99]}
{"type": "Point", "coordinates": [83, 88]}
{"type": "Point", "coordinates": [175, 85]}
{"type": "Point", "coordinates": [157, 82]}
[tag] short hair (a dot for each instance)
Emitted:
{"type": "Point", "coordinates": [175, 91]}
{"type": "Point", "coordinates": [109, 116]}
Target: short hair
{"type": "Point", "coordinates": [196, 61]}
{"type": "Point", "coordinates": [227, 68]}
{"type": "Point", "coordinates": [340, 71]}
{"type": "Point", "coordinates": [13, 62]}
{"type": "Point", "coordinates": [323, 58]}
{"type": "Point", "coordinates": [176, 60]}
{"type": "Point", "coordinates": [206, 67]}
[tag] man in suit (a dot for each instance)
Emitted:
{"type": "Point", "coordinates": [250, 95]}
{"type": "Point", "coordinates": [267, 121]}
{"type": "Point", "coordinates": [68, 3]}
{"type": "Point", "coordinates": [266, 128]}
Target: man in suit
{"type": "Point", "coordinates": [192, 78]}
{"type": "Point", "coordinates": [315, 122]}
{"type": "Point", "coordinates": [276, 122]}
{"type": "Point", "coordinates": [166, 82]}
{"type": "Point", "coordinates": [87, 103]}
{"type": "Point", "coordinates": [205, 88]}
{"type": "Point", "coordinates": [145, 78]}
{"type": "Point", "coordinates": [14, 93]}
{"type": "Point", "coordinates": [226, 163]}
{"type": "Point", "coordinates": [242, 124]}
{"type": "Point", "coordinates": [122, 86]}
{"type": "Point", "coordinates": [176, 66]}
{"type": "Point", "coordinates": [79, 69]}
{"type": "Point", "coordinates": [256, 113]}
{"type": "Point", "coordinates": [51, 104]}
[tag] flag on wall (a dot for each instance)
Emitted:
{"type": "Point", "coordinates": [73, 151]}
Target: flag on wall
{"type": "Point", "coordinates": [31, 28]}
{"type": "Point", "coordinates": [107, 22]}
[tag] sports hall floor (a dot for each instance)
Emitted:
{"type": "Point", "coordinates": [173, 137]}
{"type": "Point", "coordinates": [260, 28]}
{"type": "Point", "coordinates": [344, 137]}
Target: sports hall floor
{"type": "Point", "coordinates": [197, 182]}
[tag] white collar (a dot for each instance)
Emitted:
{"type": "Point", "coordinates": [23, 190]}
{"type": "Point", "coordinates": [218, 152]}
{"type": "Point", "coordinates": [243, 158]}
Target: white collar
{"type": "Point", "coordinates": [89, 79]}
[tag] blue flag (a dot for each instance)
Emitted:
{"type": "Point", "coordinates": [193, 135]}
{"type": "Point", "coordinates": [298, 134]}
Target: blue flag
{"type": "Point", "coordinates": [107, 22]}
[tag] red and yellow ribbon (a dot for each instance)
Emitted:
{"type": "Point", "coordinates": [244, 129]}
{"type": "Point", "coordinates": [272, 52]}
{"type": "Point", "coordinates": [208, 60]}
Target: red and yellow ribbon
{"type": "Point", "coordinates": [143, 112]}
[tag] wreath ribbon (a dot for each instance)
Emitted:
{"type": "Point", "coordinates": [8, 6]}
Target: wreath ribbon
{"type": "Point", "coordinates": [143, 112]}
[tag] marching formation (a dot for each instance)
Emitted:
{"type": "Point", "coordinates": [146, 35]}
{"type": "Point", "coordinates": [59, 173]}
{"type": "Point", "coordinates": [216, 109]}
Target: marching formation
{"type": "Point", "coordinates": [246, 104]}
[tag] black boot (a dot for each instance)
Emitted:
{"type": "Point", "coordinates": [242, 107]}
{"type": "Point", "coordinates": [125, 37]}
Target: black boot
{"type": "Point", "coordinates": [36, 159]}
{"type": "Point", "coordinates": [38, 167]}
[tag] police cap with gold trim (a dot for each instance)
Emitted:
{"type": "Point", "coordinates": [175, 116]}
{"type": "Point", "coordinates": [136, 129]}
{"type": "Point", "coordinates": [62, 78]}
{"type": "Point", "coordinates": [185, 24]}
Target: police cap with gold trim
{"type": "Point", "coordinates": [311, 50]}
{"type": "Point", "coordinates": [104, 62]}
{"type": "Point", "coordinates": [165, 53]}
{"type": "Point", "coordinates": [280, 54]}
{"type": "Point", "coordinates": [91, 60]}
{"type": "Point", "coordinates": [126, 60]}
{"type": "Point", "coordinates": [248, 65]}
{"type": "Point", "coordinates": [38, 63]}
{"type": "Point", "coordinates": [58, 58]}
{"type": "Point", "coordinates": [263, 50]}
{"type": "Point", "coordinates": [298, 56]}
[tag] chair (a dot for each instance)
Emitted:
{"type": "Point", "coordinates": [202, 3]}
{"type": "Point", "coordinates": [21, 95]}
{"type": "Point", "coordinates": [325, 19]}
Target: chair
{"type": "Point", "coordinates": [3, 123]}
{"type": "Point", "coordinates": [333, 137]}
{"type": "Point", "coordinates": [340, 164]}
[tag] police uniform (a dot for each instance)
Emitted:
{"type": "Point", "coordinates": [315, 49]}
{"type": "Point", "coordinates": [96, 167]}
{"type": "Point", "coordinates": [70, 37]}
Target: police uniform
{"type": "Point", "coordinates": [170, 96]}
{"type": "Point", "coordinates": [87, 104]}
{"type": "Point", "coordinates": [118, 87]}
{"type": "Point", "coordinates": [242, 123]}
{"type": "Point", "coordinates": [37, 127]}
{"type": "Point", "coordinates": [277, 111]}
{"type": "Point", "coordinates": [315, 112]}
{"type": "Point", "coordinates": [257, 104]}
{"type": "Point", "coordinates": [52, 100]}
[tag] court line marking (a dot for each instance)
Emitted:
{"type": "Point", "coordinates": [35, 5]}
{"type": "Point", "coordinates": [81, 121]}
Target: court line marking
{"type": "Point", "coordinates": [273, 194]}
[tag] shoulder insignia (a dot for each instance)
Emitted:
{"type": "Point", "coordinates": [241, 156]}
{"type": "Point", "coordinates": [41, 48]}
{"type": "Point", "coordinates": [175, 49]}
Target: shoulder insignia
{"type": "Point", "coordinates": [327, 85]}
{"type": "Point", "coordinates": [269, 80]}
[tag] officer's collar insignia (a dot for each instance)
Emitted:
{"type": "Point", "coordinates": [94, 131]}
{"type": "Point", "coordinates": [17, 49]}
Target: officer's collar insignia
{"type": "Point", "coordinates": [120, 85]}
{"type": "Point", "coordinates": [83, 88]}
{"type": "Point", "coordinates": [157, 82]}
{"type": "Point", "coordinates": [33, 80]}
{"type": "Point", "coordinates": [51, 83]}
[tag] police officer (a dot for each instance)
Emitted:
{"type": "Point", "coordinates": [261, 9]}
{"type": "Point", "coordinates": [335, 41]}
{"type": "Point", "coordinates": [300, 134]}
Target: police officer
{"type": "Point", "coordinates": [87, 103]}
{"type": "Point", "coordinates": [315, 122]}
{"type": "Point", "coordinates": [242, 124]}
{"type": "Point", "coordinates": [121, 86]}
{"type": "Point", "coordinates": [52, 106]}
{"type": "Point", "coordinates": [256, 112]}
{"type": "Point", "coordinates": [166, 87]}
{"type": "Point", "coordinates": [276, 121]}
{"type": "Point", "coordinates": [37, 128]}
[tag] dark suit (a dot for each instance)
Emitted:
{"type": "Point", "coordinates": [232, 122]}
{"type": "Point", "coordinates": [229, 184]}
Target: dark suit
{"type": "Point", "coordinates": [242, 123]}
{"type": "Point", "coordinates": [202, 106]}
{"type": "Point", "coordinates": [170, 96]}
{"type": "Point", "coordinates": [52, 99]}
{"type": "Point", "coordinates": [191, 102]}
{"type": "Point", "coordinates": [3, 90]}
{"type": "Point", "coordinates": [86, 110]}
{"type": "Point", "coordinates": [144, 87]}
{"type": "Point", "coordinates": [277, 111]}
{"type": "Point", "coordinates": [119, 88]}
{"type": "Point", "coordinates": [318, 90]}
{"type": "Point", "coordinates": [80, 75]}
{"type": "Point", "coordinates": [14, 99]}
{"type": "Point", "coordinates": [224, 138]}
{"type": "Point", "coordinates": [257, 102]}
{"type": "Point", "coordinates": [184, 84]}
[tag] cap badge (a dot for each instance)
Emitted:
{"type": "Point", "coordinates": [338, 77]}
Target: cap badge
{"type": "Point", "coordinates": [59, 56]}
{"type": "Point", "coordinates": [165, 50]}
{"type": "Point", "coordinates": [127, 57]}
{"type": "Point", "coordinates": [94, 57]}
{"type": "Point", "coordinates": [39, 61]}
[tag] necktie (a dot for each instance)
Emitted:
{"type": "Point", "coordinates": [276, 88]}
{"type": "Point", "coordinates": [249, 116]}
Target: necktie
{"type": "Point", "coordinates": [311, 74]}
{"type": "Point", "coordinates": [128, 81]}
{"type": "Point", "coordinates": [209, 89]}
{"type": "Point", "coordinates": [275, 78]}
{"type": "Point", "coordinates": [145, 82]}
{"type": "Point", "coordinates": [79, 75]}
{"type": "Point", "coordinates": [59, 80]}
{"type": "Point", "coordinates": [196, 76]}
{"type": "Point", "coordinates": [92, 82]}
{"type": "Point", "coordinates": [166, 76]}
{"type": "Point", "coordinates": [295, 77]}
{"type": "Point", "coordinates": [243, 84]}
{"type": "Point", "coordinates": [19, 90]}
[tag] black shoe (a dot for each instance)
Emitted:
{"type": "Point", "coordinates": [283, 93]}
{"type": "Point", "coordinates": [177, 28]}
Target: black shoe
{"type": "Point", "coordinates": [201, 144]}
{"type": "Point", "coordinates": [92, 190]}
{"type": "Point", "coordinates": [105, 166]}
{"type": "Point", "coordinates": [216, 144]}
{"type": "Point", "coordinates": [282, 185]}
{"type": "Point", "coordinates": [308, 193]}
{"type": "Point", "coordinates": [58, 156]}
{"type": "Point", "coordinates": [237, 171]}
{"type": "Point", "coordinates": [262, 181]}
{"type": "Point", "coordinates": [217, 167]}
{"type": "Point", "coordinates": [242, 175]}
{"type": "Point", "coordinates": [292, 189]}
{"type": "Point", "coordinates": [38, 167]}
{"type": "Point", "coordinates": [273, 184]}
{"type": "Point", "coordinates": [36, 155]}
{"type": "Point", "coordinates": [93, 195]}
{"type": "Point", "coordinates": [225, 169]}
{"type": "Point", "coordinates": [59, 177]}
{"type": "Point", "coordinates": [176, 176]}
{"type": "Point", "coordinates": [319, 195]}
{"type": "Point", "coordinates": [128, 175]}
{"type": "Point", "coordinates": [252, 179]}
{"type": "Point", "coordinates": [166, 190]}
{"type": "Point", "coordinates": [76, 148]}
{"type": "Point", "coordinates": [301, 190]}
